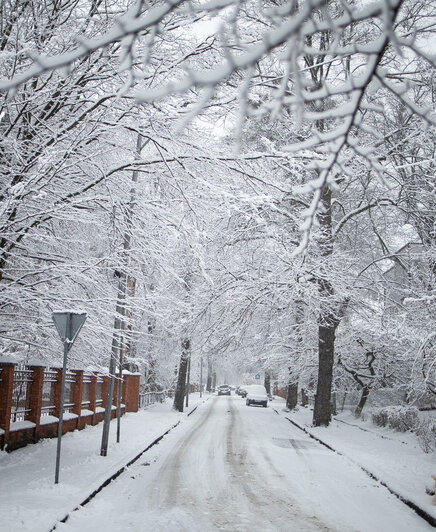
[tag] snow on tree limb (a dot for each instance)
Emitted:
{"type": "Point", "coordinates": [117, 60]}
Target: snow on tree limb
{"type": "Point", "coordinates": [128, 24]}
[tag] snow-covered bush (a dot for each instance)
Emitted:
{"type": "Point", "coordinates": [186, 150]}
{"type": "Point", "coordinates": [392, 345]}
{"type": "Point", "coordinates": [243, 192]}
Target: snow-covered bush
{"type": "Point", "coordinates": [401, 418]}
{"type": "Point", "coordinates": [426, 433]}
{"type": "Point", "coordinates": [380, 417]}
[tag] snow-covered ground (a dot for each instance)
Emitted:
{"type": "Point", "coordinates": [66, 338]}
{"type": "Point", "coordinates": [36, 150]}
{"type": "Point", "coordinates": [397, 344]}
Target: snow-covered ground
{"type": "Point", "coordinates": [30, 501]}
{"type": "Point", "coordinates": [394, 458]}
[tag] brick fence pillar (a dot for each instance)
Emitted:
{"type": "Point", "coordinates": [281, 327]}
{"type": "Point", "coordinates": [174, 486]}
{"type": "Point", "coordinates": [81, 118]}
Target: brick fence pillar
{"type": "Point", "coordinates": [125, 387]}
{"type": "Point", "coordinates": [115, 394]}
{"type": "Point", "coordinates": [93, 396]}
{"type": "Point", "coordinates": [77, 393]}
{"type": "Point", "coordinates": [118, 376]}
{"type": "Point", "coordinates": [104, 391]}
{"type": "Point", "coordinates": [131, 397]}
{"type": "Point", "coordinates": [35, 397]}
{"type": "Point", "coordinates": [6, 385]}
{"type": "Point", "coordinates": [57, 393]}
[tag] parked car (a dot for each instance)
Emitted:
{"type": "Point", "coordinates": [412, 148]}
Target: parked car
{"type": "Point", "coordinates": [242, 391]}
{"type": "Point", "coordinates": [224, 389]}
{"type": "Point", "coordinates": [256, 395]}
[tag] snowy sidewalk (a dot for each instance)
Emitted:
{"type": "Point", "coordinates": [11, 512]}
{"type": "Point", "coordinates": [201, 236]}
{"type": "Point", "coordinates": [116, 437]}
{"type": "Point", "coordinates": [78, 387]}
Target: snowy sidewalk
{"type": "Point", "coordinates": [29, 499]}
{"type": "Point", "coordinates": [394, 458]}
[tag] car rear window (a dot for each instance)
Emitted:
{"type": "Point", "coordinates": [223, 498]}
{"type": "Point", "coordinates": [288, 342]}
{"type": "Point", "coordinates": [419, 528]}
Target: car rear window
{"type": "Point", "coordinates": [257, 389]}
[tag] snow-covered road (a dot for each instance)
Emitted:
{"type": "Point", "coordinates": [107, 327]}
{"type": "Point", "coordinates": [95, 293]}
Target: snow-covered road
{"type": "Point", "coordinates": [230, 467]}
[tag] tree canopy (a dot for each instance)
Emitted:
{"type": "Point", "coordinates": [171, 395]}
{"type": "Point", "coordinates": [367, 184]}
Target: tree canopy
{"type": "Point", "coordinates": [242, 175]}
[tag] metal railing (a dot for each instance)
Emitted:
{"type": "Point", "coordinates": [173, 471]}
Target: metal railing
{"type": "Point", "coordinates": [48, 389]}
{"type": "Point", "coordinates": [86, 390]}
{"type": "Point", "coordinates": [20, 393]}
{"type": "Point", "coordinates": [149, 398]}
{"type": "Point", "coordinates": [70, 380]}
{"type": "Point", "coordinates": [99, 392]}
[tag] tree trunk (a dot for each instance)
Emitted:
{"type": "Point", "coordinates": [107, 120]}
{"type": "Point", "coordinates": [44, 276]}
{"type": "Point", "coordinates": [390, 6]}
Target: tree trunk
{"type": "Point", "coordinates": [209, 374]}
{"type": "Point", "coordinates": [328, 318]}
{"type": "Point", "coordinates": [150, 375]}
{"type": "Point", "coordinates": [362, 402]}
{"type": "Point", "coordinates": [326, 347]}
{"type": "Point", "coordinates": [292, 395]}
{"type": "Point", "coordinates": [267, 382]}
{"type": "Point", "coordinates": [292, 388]}
{"type": "Point", "coordinates": [181, 379]}
{"type": "Point", "coordinates": [304, 397]}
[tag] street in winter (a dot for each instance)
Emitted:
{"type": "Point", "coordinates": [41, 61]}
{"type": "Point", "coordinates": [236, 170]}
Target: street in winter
{"type": "Point", "coordinates": [225, 466]}
{"type": "Point", "coordinates": [217, 265]}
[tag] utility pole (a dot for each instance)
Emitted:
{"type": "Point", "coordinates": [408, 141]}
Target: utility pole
{"type": "Point", "coordinates": [201, 375]}
{"type": "Point", "coordinates": [187, 380]}
{"type": "Point", "coordinates": [120, 379]}
{"type": "Point", "coordinates": [110, 388]}
{"type": "Point", "coordinates": [120, 314]}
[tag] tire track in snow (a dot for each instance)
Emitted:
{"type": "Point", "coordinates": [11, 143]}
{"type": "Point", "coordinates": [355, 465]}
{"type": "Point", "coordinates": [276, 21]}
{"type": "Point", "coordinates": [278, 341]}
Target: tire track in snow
{"type": "Point", "coordinates": [172, 470]}
{"type": "Point", "coordinates": [256, 491]}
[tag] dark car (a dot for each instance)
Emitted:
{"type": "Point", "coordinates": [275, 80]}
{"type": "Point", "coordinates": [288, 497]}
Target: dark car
{"type": "Point", "coordinates": [241, 391]}
{"type": "Point", "coordinates": [224, 389]}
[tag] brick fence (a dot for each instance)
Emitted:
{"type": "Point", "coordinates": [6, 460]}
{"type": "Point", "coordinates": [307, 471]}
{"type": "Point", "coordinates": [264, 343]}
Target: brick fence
{"type": "Point", "coordinates": [30, 401]}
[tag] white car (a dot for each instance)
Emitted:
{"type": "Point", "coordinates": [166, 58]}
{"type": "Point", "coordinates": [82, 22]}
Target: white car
{"type": "Point", "coordinates": [256, 395]}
